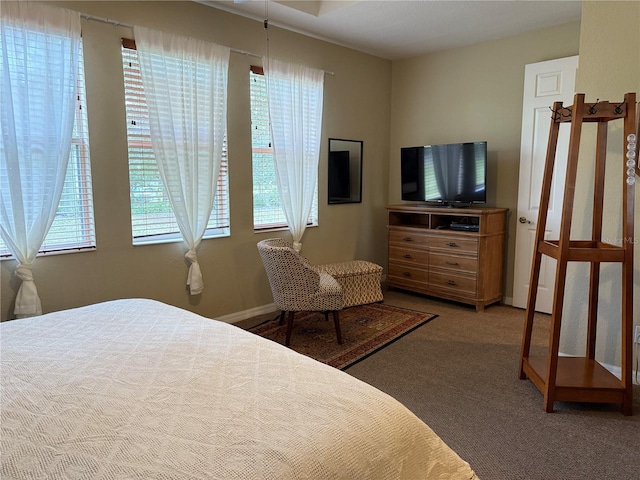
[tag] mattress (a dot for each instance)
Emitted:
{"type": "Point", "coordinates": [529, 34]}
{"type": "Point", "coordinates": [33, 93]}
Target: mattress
{"type": "Point", "coordinates": [139, 389]}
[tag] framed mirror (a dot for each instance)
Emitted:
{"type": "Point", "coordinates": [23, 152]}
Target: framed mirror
{"type": "Point", "coordinates": [345, 171]}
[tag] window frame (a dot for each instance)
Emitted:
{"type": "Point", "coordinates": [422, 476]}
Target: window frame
{"type": "Point", "coordinates": [80, 141]}
{"type": "Point", "coordinates": [312, 221]}
{"type": "Point", "coordinates": [223, 229]}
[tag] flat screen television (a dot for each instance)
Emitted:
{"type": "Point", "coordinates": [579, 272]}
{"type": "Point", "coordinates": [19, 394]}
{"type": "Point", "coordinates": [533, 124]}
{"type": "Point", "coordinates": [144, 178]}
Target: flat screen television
{"type": "Point", "coordinates": [450, 174]}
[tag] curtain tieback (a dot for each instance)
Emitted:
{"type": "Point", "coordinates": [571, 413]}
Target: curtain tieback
{"type": "Point", "coordinates": [194, 277]}
{"type": "Point", "coordinates": [24, 273]}
{"type": "Point", "coordinates": [191, 256]}
{"type": "Point", "coordinates": [297, 246]}
{"type": "Point", "coordinates": [27, 300]}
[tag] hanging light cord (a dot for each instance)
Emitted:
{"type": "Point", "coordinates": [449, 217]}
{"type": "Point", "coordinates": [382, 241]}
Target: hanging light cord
{"type": "Point", "coordinates": [266, 30]}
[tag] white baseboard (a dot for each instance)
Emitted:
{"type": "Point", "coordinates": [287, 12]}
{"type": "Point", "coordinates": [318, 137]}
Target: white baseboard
{"type": "Point", "coordinates": [243, 315]}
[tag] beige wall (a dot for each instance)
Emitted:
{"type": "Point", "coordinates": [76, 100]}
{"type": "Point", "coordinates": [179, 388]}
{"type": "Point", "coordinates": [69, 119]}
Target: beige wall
{"type": "Point", "coordinates": [356, 106]}
{"type": "Point", "coordinates": [469, 94]}
{"type": "Point", "coordinates": [609, 68]}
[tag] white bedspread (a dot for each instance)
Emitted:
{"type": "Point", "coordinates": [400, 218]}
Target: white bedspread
{"type": "Point", "coordinates": [138, 389]}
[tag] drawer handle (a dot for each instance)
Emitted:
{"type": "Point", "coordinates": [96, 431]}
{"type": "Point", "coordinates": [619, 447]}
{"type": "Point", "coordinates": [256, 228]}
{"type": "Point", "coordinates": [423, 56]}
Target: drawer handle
{"type": "Point", "coordinates": [452, 244]}
{"type": "Point", "coordinates": [452, 263]}
{"type": "Point", "coordinates": [407, 255]}
{"type": "Point", "coordinates": [408, 239]}
{"type": "Point", "coordinates": [451, 282]}
{"type": "Point", "coordinates": [406, 274]}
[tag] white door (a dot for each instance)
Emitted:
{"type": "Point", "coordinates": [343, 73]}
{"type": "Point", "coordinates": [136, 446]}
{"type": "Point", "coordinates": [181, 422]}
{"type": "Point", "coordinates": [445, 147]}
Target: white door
{"type": "Point", "coordinates": [544, 83]}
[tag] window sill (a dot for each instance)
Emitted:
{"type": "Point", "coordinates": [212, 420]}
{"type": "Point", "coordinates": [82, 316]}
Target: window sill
{"type": "Point", "coordinates": [175, 238]}
{"type": "Point", "coordinates": [54, 252]}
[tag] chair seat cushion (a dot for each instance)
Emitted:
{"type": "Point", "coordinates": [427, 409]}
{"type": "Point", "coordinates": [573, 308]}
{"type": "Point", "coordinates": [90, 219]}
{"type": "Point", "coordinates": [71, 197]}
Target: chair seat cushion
{"type": "Point", "coordinates": [360, 280]}
{"type": "Point", "coordinates": [329, 295]}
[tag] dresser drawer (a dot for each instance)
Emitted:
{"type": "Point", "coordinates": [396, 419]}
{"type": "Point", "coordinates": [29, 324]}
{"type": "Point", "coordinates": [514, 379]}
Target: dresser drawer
{"type": "Point", "coordinates": [454, 244]}
{"type": "Point", "coordinates": [459, 283]}
{"type": "Point", "coordinates": [402, 274]}
{"type": "Point", "coordinates": [407, 255]}
{"type": "Point", "coordinates": [453, 262]}
{"type": "Point", "coordinates": [408, 238]}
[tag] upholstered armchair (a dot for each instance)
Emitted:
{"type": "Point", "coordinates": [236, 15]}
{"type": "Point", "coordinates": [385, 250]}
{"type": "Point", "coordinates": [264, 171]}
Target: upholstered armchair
{"type": "Point", "coordinates": [297, 286]}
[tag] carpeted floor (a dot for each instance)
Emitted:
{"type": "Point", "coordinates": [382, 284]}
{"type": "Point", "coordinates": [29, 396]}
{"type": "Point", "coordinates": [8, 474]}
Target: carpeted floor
{"type": "Point", "coordinates": [458, 373]}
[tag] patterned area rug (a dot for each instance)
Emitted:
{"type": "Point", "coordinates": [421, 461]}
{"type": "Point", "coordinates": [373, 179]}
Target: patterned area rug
{"type": "Point", "coordinates": [365, 330]}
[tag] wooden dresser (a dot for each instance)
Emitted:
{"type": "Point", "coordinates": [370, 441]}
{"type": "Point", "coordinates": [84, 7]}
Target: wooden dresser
{"type": "Point", "coordinates": [452, 253]}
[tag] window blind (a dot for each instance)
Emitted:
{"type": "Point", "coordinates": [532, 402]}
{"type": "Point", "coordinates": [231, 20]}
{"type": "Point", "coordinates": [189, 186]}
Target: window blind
{"type": "Point", "coordinates": [152, 219]}
{"type": "Point", "coordinates": [73, 227]}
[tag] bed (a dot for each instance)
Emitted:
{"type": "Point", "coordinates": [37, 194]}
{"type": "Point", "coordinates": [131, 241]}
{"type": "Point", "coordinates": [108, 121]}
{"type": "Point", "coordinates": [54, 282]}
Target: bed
{"type": "Point", "coordinates": [138, 389]}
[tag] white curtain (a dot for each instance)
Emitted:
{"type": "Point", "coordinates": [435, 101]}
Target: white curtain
{"type": "Point", "coordinates": [295, 94]}
{"type": "Point", "coordinates": [185, 83]}
{"type": "Point", "coordinates": [39, 65]}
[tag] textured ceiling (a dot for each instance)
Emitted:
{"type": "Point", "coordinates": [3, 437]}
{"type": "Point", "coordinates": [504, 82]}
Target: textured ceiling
{"type": "Point", "coordinates": [396, 29]}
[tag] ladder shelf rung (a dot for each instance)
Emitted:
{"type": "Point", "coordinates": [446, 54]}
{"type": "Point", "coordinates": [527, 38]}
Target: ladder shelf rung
{"type": "Point", "coordinates": [584, 251]}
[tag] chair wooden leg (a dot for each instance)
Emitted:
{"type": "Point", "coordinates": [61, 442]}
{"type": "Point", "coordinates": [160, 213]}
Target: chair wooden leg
{"type": "Point", "coordinates": [336, 321]}
{"type": "Point", "coordinates": [289, 328]}
{"type": "Point", "coordinates": [282, 313]}
{"type": "Point", "coordinates": [326, 316]}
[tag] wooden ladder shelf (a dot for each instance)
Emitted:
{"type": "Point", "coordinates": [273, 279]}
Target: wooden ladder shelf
{"type": "Point", "coordinates": [583, 379]}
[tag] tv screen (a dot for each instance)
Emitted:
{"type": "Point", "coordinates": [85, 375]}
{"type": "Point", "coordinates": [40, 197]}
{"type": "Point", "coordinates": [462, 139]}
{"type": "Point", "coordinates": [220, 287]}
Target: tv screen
{"type": "Point", "coordinates": [447, 174]}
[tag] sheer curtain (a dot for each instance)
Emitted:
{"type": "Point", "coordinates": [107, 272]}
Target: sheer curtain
{"type": "Point", "coordinates": [39, 65]}
{"type": "Point", "coordinates": [185, 83]}
{"type": "Point", "coordinates": [295, 94]}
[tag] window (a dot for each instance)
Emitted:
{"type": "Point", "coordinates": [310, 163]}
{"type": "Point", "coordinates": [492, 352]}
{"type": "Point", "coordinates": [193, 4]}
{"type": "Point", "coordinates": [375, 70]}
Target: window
{"type": "Point", "coordinates": [152, 219]}
{"type": "Point", "coordinates": [267, 212]}
{"type": "Point", "coordinates": [73, 228]}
